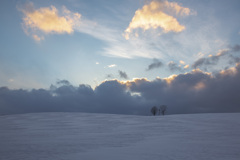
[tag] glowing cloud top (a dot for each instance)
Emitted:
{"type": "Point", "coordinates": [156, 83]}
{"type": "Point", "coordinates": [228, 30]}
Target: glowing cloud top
{"type": "Point", "coordinates": [157, 15]}
{"type": "Point", "coordinates": [48, 20]}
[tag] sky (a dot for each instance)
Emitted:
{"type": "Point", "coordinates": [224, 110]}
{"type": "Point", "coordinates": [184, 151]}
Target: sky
{"type": "Point", "coordinates": [133, 48]}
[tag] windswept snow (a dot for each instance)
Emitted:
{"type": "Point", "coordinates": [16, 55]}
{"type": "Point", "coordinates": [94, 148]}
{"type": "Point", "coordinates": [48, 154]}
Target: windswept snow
{"type": "Point", "coordinates": [80, 136]}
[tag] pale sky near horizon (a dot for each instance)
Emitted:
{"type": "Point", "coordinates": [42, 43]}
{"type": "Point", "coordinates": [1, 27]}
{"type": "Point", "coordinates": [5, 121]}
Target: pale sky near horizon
{"type": "Point", "coordinates": [89, 41]}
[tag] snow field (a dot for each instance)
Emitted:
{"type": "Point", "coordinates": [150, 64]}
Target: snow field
{"type": "Point", "coordinates": [75, 136]}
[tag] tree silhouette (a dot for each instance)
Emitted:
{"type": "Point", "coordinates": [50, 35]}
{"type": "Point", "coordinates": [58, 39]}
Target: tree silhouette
{"type": "Point", "coordinates": [154, 110]}
{"type": "Point", "coordinates": [163, 109]}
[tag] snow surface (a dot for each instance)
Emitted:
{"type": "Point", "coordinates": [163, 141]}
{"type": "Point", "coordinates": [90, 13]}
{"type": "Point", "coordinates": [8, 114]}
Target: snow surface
{"type": "Point", "coordinates": [81, 136]}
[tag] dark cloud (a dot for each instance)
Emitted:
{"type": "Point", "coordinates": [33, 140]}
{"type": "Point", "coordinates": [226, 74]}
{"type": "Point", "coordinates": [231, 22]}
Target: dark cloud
{"type": "Point", "coordinates": [194, 92]}
{"type": "Point", "coordinates": [234, 58]}
{"type": "Point", "coordinates": [109, 76]}
{"type": "Point", "coordinates": [156, 64]}
{"type": "Point", "coordinates": [212, 60]}
{"type": "Point", "coordinates": [174, 67]}
{"type": "Point", "coordinates": [108, 97]}
{"type": "Point", "coordinates": [63, 82]}
{"type": "Point", "coordinates": [123, 74]}
{"type": "Point", "coordinates": [204, 61]}
{"type": "Point", "coordinates": [235, 48]}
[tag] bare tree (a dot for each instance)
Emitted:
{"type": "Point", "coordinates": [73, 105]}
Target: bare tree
{"type": "Point", "coordinates": [163, 109]}
{"type": "Point", "coordinates": [154, 110]}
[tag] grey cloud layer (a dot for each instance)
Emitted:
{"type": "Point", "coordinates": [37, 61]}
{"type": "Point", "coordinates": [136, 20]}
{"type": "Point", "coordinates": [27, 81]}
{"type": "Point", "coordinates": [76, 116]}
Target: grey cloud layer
{"type": "Point", "coordinates": [109, 97]}
{"type": "Point", "coordinates": [194, 92]}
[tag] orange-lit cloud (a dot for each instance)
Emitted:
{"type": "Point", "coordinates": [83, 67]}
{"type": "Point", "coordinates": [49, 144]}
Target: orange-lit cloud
{"type": "Point", "coordinates": [176, 8]}
{"type": "Point", "coordinates": [157, 15]}
{"type": "Point", "coordinates": [230, 71]}
{"type": "Point", "coordinates": [182, 62]}
{"type": "Point", "coordinates": [37, 38]}
{"type": "Point", "coordinates": [186, 66]}
{"type": "Point", "coordinates": [48, 20]}
{"type": "Point", "coordinates": [170, 78]}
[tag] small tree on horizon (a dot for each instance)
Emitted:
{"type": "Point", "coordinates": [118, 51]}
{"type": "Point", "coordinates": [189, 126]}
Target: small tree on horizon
{"type": "Point", "coordinates": [163, 109]}
{"type": "Point", "coordinates": [154, 110]}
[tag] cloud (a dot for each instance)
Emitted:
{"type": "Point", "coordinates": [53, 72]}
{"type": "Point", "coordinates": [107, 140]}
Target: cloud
{"type": "Point", "coordinates": [186, 66]}
{"type": "Point", "coordinates": [203, 61]}
{"type": "Point", "coordinates": [156, 64]}
{"type": "Point", "coordinates": [112, 66]}
{"type": "Point", "coordinates": [51, 20]}
{"type": "Point", "coordinates": [235, 48]}
{"type": "Point", "coordinates": [108, 97]}
{"type": "Point", "coordinates": [123, 74]}
{"type": "Point", "coordinates": [234, 57]}
{"type": "Point", "coordinates": [63, 82]}
{"type": "Point", "coordinates": [117, 45]}
{"type": "Point", "coordinates": [157, 15]}
{"type": "Point", "coordinates": [37, 38]}
{"type": "Point", "coordinates": [174, 67]}
{"type": "Point", "coordinates": [109, 76]}
{"type": "Point", "coordinates": [182, 62]}
{"type": "Point", "coordinates": [175, 8]}
{"type": "Point", "coordinates": [210, 60]}
{"type": "Point", "coordinates": [47, 20]}
{"type": "Point", "coordinates": [193, 92]}
{"type": "Point", "coordinates": [234, 60]}
{"type": "Point", "coordinates": [229, 54]}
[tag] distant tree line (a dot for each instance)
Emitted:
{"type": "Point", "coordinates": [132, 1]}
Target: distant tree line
{"type": "Point", "coordinates": [157, 111]}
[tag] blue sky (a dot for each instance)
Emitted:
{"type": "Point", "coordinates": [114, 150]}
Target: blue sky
{"type": "Point", "coordinates": [98, 40]}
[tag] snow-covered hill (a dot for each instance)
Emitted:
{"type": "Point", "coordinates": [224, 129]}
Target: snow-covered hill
{"type": "Point", "coordinates": [80, 136]}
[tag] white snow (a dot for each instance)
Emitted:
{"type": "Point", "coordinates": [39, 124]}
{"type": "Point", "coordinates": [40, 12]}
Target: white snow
{"type": "Point", "coordinates": [82, 136]}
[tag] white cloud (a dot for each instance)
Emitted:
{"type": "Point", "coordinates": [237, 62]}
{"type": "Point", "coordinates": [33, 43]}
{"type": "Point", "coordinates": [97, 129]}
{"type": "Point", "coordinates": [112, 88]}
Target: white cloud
{"type": "Point", "coordinates": [112, 65]}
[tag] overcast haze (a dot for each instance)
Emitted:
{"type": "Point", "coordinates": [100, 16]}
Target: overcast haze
{"type": "Point", "coordinates": [119, 56]}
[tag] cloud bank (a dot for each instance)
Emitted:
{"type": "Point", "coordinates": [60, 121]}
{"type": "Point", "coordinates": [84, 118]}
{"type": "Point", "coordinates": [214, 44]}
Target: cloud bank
{"type": "Point", "coordinates": [193, 92]}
